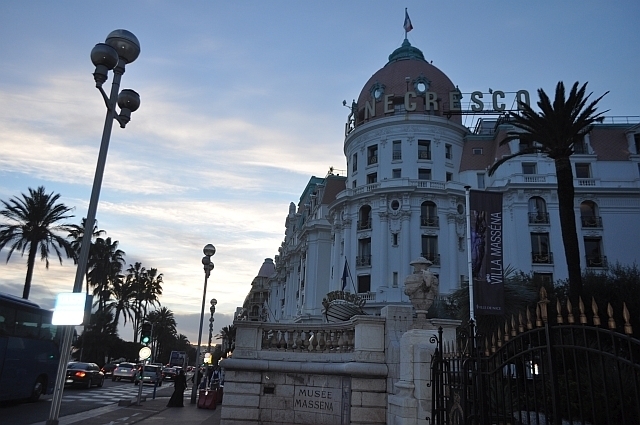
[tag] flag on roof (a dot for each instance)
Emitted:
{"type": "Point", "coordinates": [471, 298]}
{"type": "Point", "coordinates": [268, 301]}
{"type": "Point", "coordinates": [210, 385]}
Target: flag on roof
{"type": "Point", "coordinates": [407, 21]}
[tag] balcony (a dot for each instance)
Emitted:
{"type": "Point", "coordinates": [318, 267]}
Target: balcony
{"type": "Point", "coordinates": [373, 159]}
{"type": "Point", "coordinates": [397, 156]}
{"type": "Point", "coordinates": [593, 222]}
{"type": "Point", "coordinates": [363, 261]}
{"type": "Point", "coordinates": [597, 261]}
{"type": "Point", "coordinates": [424, 155]}
{"type": "Point", "coordinates": [427, 221]}
{"type": "Point", "coordinates": [539, 218]}
{"type": "Point", "coordinates": [364, 224]}
{"type": "Point", "coordinates": [434, 258]}
{"type": "Point", "coordinates": [542, 257]}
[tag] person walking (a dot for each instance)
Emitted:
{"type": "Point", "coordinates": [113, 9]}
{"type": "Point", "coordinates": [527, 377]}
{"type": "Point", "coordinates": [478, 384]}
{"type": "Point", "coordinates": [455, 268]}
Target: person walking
{"type": "Point", "coordinates": [180, 384]}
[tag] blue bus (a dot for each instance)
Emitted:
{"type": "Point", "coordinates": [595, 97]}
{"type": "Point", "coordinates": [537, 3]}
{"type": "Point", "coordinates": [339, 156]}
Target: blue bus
{"type": "Point", "coordinates": [29, 350]}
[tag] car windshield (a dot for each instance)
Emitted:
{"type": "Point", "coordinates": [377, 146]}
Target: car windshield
{"type": "Point", "coordinates": [126, 365]}
{"type": "Point", "coordinates": [170, 370]}
{"type": "Point", "coordinates": [151, 369]}
{"type": "Point", "coordinates": [77, 365]}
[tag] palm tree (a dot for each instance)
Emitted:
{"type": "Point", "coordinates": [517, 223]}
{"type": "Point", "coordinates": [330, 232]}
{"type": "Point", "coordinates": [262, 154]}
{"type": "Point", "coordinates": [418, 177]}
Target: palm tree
{"type": "Point", "coordinates": [122, 300]}
{"type": "Point", "coordinates": [555, 131]}
{"type": "Point", "coordinates": [105, 265]}
{"type": "Point", "coordinates": [164, 331]}
{"type": "Point", "coordinates": [228, 338]}
{"type": "Point", "coordinates": [76, 234]}
{"type": "Point", "coordinates": [34, 220]}
{"type": "Point", "coordinates": [136, 275]}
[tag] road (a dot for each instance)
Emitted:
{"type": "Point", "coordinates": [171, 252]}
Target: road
{"type": "Point", "coordinates": [76, 400]}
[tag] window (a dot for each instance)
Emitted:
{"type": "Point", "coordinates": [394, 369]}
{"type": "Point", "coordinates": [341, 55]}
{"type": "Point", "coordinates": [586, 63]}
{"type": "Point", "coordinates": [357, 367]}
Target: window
{"type": "Point", "coordinates": [543, 279]}
{"type": "Point", "coordinates": [395, 204]}
{"type": "Point", "coordinates": [396, 173]}
{"type": "Point", "coordinates": [636, 140]}
{"type": "Point", "coordinates": [364, 253]}
{"type": "Point", "coordinates": [397, 150]}
{"type": "Point", "coordinates": [394, 239]}
{"type": "Point", "coordinates": [395, 280]}
{"type": "Point", "coordinates": [480, 177]}
{"type": "Point", "coordinates": [447, 151]}
{"type": "Point", "coordinates": [589, 214]}
{"type": "Point", "coordinates": [523, 145]}
{"type": "Point", "coordinates": [540, 251]}
{"type": "Point", "coordinates": [364, 217]}
{"type": "Point", "coordinates": [529, 168]}
{"type": "Point", "coordinates": [477, 151]}
{"type": "Point", "coordinates": [538, 211]}
{"type": "Point", "coordinates": [354, 163]}
{"type": "Point", "coordinates": [364, 284]}
{"type": "Point", "coordinates": [354, 183]}
{"type": "Point", "coordinates": [448, 176]}
{"type": "Point", "coordinates": [424, 174]}
{"type": "Point", "coordinates": [428, 214]}
{"type": "Point", "coordinates": [430, 248]}
{"type": "Point", "coordinates": [580, 147]}
{"type": "Point", "coordinates": [583, 171]}
{"type": "Point", "coordinates": [424, 149]}
{"type": "Point", "coordinates": [372, 155]}
{"type": "Point", "coordinates": [372, 178]}
{"type": "Point", "coordinates": [593, 249]}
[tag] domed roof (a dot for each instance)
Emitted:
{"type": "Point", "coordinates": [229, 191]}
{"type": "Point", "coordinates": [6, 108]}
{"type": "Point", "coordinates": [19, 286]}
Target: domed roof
{"type": "Point", "coordinates": [267, 269]}
{"type": "Point", "coordinates": [406, 71]}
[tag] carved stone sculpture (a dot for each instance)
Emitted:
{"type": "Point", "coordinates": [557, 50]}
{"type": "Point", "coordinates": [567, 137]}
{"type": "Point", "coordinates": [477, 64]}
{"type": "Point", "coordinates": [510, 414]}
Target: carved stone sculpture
{"type": "Point", "coordinates": [421, 286]}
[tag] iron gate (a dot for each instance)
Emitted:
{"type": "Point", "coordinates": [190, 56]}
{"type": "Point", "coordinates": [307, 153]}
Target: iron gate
{"type": "Point", "coordinates": [569, 372]}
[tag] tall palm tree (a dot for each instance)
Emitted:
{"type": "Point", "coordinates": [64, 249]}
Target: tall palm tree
{"type": "Point", "coordinates": [122, 300]}
{"type": "Point", "coordinates": [152, 288]}
{"type": "Point", "coordinates": [555, 131]}
{"type": "Point", "coordinates": [105, 265]}
{"type": "Point", "coordinates": [34, 221]}
{"type": "Point", "coordinates": [228, 338]}
{"type": "Point", "coordinates": [135, 279]}
{"type": "Point", "coordinates": [164, 331]}
{"type": "Point", "coordinates": [76, 234]}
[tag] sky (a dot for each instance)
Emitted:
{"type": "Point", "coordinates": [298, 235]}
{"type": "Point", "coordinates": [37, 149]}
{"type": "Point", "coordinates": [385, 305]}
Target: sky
{"type": "Point", "coordinates": [241, 103]}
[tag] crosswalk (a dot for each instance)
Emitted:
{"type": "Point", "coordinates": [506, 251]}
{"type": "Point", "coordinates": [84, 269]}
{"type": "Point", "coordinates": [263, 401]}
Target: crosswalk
{"type": "Point", "coordinates": [105, 396]}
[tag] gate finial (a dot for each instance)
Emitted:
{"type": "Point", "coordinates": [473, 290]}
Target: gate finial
{"type": "Point", "coordinates": [625, 314]}
{"type": "Point", "coordinates": [594, 308]}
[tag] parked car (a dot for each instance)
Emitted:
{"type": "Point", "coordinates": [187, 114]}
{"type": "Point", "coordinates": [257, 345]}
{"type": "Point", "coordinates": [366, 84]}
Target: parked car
{"type": "Point", "coordinates": [126, 371]}
{"type": "Point", "coordinates": [84, 374]}
{"type": "Point", "coordinates": [169, 373]}
{"type": "Point", "coordinates": [108, 369]}
{"type": "Point", "coordinates": [151, 374]}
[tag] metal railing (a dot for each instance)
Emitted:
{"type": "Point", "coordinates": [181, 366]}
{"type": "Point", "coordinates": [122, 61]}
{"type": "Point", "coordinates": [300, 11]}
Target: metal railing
{"type": "Point", "coordinates": [428, 221]}
{"type": "Point", "coordinates": [539, 218]}
{"type": "Point", "coordinates": [542, 257]}
{"type": "Point", "coordinates": [592, 221]}
{"type": "Point", "coordinates": [434, 258]}
{"type": "Point", "coordinates": [363, 261]}
{"type": "Point", "coordinates": [597, 261]}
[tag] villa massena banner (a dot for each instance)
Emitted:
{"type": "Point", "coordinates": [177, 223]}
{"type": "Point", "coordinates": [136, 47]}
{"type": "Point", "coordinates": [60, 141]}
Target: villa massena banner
{"type": "Point", "coordinates": [486, 251]}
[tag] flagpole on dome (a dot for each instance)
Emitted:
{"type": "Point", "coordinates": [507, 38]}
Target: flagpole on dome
{"type": "Point", "coordinates": [407, 23]}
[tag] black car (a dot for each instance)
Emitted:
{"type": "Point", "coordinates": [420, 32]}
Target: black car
{"type": "Point", "coordinates": [169, 373]}
{"type": "Point", "coordinates": [108, 369]}
{"type": "Point", "coordinates": [84, 374]}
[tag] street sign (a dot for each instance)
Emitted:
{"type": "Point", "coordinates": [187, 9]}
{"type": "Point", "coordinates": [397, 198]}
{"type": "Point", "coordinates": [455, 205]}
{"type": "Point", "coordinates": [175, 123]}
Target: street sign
{"type": "Point", "coordinates": [145, 353]}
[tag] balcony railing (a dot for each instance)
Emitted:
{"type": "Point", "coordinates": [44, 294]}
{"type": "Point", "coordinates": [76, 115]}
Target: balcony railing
{"type": "Point", "coordinates": [539, 218]}
{"type": "Point", "coordinates": [424, 155]}
{"type": "Point", "coordinates": [310, 338]}
{"type": "Point", "coordinates": [597, 261]}
{"type": "Point", "coordinates": [427, 221]}
{"type": "Point", "coordinates": [592, 221]}
{"type": "Point", "coordinates": [542, 257]}
{"type": "Point", "coordinates": [373, 159]}
{"type": "Point", "coordinates": [397, 156]}
{"type": "Point", "coordinates": [434, 258]}
{"type": "Point", "coordinates": [363, 261]}
{"type": "Point", "coordinates": [364, 224]}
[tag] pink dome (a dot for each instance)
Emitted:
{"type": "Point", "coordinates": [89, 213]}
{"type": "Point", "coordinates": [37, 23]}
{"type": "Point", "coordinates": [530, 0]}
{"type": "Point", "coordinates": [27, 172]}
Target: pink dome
{"type": "Point", "coordinates": [407, 70]}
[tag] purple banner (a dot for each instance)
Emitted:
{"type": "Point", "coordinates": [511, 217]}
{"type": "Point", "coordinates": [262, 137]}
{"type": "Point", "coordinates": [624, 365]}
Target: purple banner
{"type": "Point", "coordinates": [486, 252]}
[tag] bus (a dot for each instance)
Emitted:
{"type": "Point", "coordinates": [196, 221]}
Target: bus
{"type": "Point", "coordinates": [29, 350]}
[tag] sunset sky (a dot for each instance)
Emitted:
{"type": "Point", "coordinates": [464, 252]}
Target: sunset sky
{"type": "Point", "coordinates": [241, 103]}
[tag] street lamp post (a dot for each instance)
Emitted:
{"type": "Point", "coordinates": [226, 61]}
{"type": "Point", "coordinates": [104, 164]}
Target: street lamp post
{"type": "Point", "coordinates": [212, 310]}
{"type": "Point", "coordinates": [119, 49]}
{"type": "Point", "coordinates": [208, 251]}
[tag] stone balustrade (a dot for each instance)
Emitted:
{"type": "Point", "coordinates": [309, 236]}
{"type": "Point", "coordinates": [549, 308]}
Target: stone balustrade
{"type": "Point", "coordinates": [320, 338]}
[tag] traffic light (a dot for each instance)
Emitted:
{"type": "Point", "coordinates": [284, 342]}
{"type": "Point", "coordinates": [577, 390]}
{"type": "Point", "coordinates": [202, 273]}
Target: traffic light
{"type": "Point", "coordinates": [145, 333]}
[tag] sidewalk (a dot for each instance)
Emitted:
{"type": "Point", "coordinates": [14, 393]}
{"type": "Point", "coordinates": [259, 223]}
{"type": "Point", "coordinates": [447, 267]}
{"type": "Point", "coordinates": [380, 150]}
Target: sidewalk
{"type": "Point", "coordinates": [149, 412]}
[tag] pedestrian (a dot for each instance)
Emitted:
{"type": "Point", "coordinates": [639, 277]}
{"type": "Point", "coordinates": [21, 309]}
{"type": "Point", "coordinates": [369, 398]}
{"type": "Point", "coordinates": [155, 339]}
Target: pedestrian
{"type": "Point", "coordinates": [180, 384]}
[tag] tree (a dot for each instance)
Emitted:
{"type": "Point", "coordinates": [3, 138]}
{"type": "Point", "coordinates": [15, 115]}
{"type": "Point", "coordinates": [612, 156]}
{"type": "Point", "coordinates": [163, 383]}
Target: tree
{"type": "Point", "coordinates": [122, 301]}
{"type": "Point", "coordinates": [555, 131]}
{"type": "Point", "coordinates": [76, 233]}
{"type": "Point", "coordinates": [34, 222]}
{"type": "Point", "coordinates": [105, 265]}
{"type": "Point", "coordinates": [164, 332]}
{"type": "Point", "coordinates": [135, 280]}
{"type": "Point", "coordinates": [228, 339]}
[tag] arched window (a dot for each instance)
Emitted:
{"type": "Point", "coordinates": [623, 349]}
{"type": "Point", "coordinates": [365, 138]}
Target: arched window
{"type": "Point", "coordinates": [428, 214]}
{"type": "Point", "coordinates": [589, 214]}
{"type": "Point", "coordinates": [364, 217]}
{"type": "Point", "coordinates": [538, 211]}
